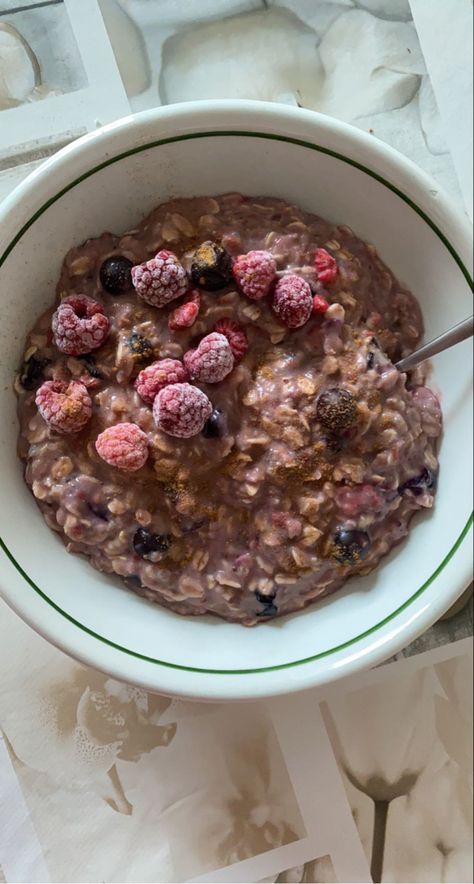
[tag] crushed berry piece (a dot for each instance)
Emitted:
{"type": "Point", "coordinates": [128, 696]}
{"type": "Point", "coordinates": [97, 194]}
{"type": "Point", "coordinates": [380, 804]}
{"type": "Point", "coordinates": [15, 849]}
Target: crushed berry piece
{"type": "Point", "coordinates": [236, 336]}
{"type": "Point", "coordinates": [326, 266]}
{"type": "Point", "coordinates": [186, 314]}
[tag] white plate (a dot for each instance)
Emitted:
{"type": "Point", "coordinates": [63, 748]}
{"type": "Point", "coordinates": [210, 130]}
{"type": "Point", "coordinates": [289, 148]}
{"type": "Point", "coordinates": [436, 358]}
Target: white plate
{"type": "Point", "coordinates": [109, 180]}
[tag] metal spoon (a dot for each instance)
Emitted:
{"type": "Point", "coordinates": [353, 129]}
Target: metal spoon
{"type": "Point", "coordinates": [455, 335]}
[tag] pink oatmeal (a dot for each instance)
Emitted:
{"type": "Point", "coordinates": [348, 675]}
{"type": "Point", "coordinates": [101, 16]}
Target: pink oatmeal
{"type": "Point", "coordinates": [309, 451]}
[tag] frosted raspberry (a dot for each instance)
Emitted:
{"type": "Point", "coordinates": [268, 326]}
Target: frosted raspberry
{"type": "Point", "coordinates": [124, 446]}
{"type": "Point", "coordinates": [79, 325]}
{"type": "Point", "coordinates": [326, 266]}
{"type": "Point", "coordinates": [236, 336]}
{"type": "Point", "coordinates": [293, 301]}
{"type": "Point", "coordinates": [65, 406]}
{"type": "Point", "coordinates": [320, 305]}
{"type": "Point", "coordinates": [186, 314]}
{"type": "Point", "coordinates": [161, 280]}
{"type": "Point", "coordinates": [254, 273]}
{"type": "Point", "coordinates": [159, 374]}
{"type": "Point", "coordinates": [181, 410]}
{"type": "Point", "coordinates": [211, 361]}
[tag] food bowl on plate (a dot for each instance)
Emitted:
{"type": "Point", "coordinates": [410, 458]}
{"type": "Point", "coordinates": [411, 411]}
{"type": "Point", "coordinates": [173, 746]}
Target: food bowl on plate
{"type": "Point", "coordinates": [109, 181]}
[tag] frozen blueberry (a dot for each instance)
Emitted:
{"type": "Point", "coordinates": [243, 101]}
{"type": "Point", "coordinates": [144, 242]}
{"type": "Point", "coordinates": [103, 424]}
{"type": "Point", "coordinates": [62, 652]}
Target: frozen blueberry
{"type": "Point", "coordinates": [427, 480]}
{"type": "Point", "coordinates": [140, 348]}
{"type": "Point", "coordinates": [351, 545]}
{"type": "Point", "coordinates": [115, 274]}
{"type": "Point", "coordinates": [336, 409]}
{"type": "Point", "coordinates": [213, 427]}
{"type": "Point", "coordinates": [144, 542]}
{"type": "Point", "coordinates": [269, 608]}
{"type": "Point", "coordinates": [211, 267]}
{"type": "Point", "coordinates": [90, 365]}
{"type": "Point", "coordinates": [32, 372]}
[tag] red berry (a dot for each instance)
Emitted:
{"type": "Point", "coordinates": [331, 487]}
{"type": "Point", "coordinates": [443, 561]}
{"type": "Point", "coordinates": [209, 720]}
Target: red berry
{"type": "Point", "coordinates": [320, 305]}
{"type": "Point", "coordinates": [236, 336]}
{"type": "Point", "coordinates": [159, 374]}
{"type": "Point", "coordinates": [293, 301]}
{"type": "Point", "coordinates": [124, 446]}
{"type": "Point", "coordinates": [255, 273]}
{"type": "Point", "coordinates": [211, 361]}
{"type": "Point", "coordinates": [186, 314]}
{"type": "Point", "coordinates": [65, 406]}
{"type": "Point", "coordinates": [326, 266]}
{"type": "Point", "coordinates": [79, 325]}
{"type": "Point", "coordinates": [181, 410]}
{"type": "Point", "coordinates": [161, 280]}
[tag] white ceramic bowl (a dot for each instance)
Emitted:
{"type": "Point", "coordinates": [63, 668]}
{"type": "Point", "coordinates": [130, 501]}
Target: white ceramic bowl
{"type": "Point", "coordinates": [109, 180]}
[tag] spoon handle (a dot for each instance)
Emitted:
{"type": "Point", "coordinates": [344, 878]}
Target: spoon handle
{"type": "Point", "coordinates": [455, 335]}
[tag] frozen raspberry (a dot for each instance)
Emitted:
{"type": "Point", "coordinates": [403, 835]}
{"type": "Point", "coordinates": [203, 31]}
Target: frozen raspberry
{"type": "Point", "coordinates": [181, 410]}
{"type": "Point", "coordinates": [186, 314]}
{"type": "Point", "coordinates": [65, 406]}
{"type": "Point", "coordinates": [124, 446]}
{"type": "Point", "coordinates": [320, 305]}
{"type": "Point", "coordinates": [254, 273]}
{"type": "Point", "coordinates": [158, 375]}
{"type": "Point", "coordinates": [326, 266]}
{"type": "Point", "coordinates": [79, 325]}
{"type": "Point", "coordinates": [211, 361]}
{"type": "Point", "coordinates": [236, 336]}
{"type": "Point", "coordinates": [293, 301]}
{"type": "Point", "coordinates": [161, 280]}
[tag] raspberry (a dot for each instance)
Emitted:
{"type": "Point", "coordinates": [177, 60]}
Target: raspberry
{"type": "Point", "coordinates": [160, 280]}
{"type": "Point", "coordinates": [124, 446]}
{"type": "Point", "coordinates": [254, 273]}
{"type": "Point", "coordinates": [211, 361]}
{"type": "Point", "coordinates": [79, 325]}
{"type": "Point", "coordinates": [236, 336]}
{"type": "Point", "coordinates": [65, 406]}
{"type": "Point", "coordinates": [158, 375]}
{"type": "Point", "coordinates": [326, 266]}
{"type": "Point", "coordinates": [181, 410]}
{"type": "Point", "coordinates": [320, 305]}
{"type": "Point", "coordinates": [185, 315]}
{"type": "Point", "coordinates": [293, 301]}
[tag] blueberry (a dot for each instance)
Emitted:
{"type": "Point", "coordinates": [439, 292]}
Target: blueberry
{"type": "Point", "coordinates": [427, 480]}
{"type": "Point", "coordinates": [144, 542]}
{"type": "Point", "coordinates": [370, 359]}
{"type": "Point", "coordinates": [269, 608]}
{"type": "Point", "coordinates": [89, 363]}
{"type": "Point", "coordinates": [99, 510]}
{"type": "Point", "coordinates": [115, 274]}
{"type": "Point", "coordinates": [140, 348]}
{"type": "Point", "coordinates": [336, 409]}
{"type": "Point", "coordinates": [213, 427]}
{"type": "Point", "coordinates": [351, 545]}
{"type": "Point", "coordinates": [211, 267]}
{"type": "Point", "coordinates": [32, 372]}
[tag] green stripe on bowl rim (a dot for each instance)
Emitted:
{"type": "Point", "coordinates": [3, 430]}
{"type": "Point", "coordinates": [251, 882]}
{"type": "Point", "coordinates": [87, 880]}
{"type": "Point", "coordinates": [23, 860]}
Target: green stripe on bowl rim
{"type": "Point", "coordinates": [308, 145]}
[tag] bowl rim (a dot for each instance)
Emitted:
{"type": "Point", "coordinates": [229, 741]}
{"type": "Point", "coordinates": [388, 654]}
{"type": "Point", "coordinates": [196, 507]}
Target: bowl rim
{"type": "Point", "coordinates": [374, 150]}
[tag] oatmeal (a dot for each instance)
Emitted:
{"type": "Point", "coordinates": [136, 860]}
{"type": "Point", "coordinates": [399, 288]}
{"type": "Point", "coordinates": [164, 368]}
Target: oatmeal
{"type": "Point", "coordinates": [211, 412]}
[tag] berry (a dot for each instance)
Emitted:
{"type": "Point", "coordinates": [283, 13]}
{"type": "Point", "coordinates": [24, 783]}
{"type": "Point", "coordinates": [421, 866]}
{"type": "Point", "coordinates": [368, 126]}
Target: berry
{"type": "Point", "coordinates": [427, 480]}
{"type": "Point", "coordinates": [212, 361]}
{"type": "Point", "coordinates": [89, 363]}
{"type": "Point", "coordinates": [350, 546]}
{"type": "Point", "coordinates": [320, 305]}
{"type": "Point", "coordinates": [236, 336]}
{"type": "Point", "coordinates": [326, 266]}
{"type": "Point", "coordinates": [254, 273]}
{"type": "Point", "coordinates": [181, 410]}
{"type": "Point", "coordinates": [141, 350]}
{"type": "Point", "coordinates": [65, 406]}
{"type": "Point", "coordinates": [186, 314]}
{"type": "Point", "coordinates": [158, 375]}
{"type": "Point", "coordinates": [124, 446]}
{"type": "Point", "coordinates": [115, 274]}
{"type": "Point", "coordinates": [79, 325]}
{"type": "Point", "coordinates": [146, 544]}
{"type": "Point", "coordinates": [32, 372]}
{"type": "Point", "coordinates": [161, 280]}
{"type": "Point", "coordinates": [336, 409]}
{"type": "Point", "coordinates": [293, 301]}
{"type": "Point", "coordinates": [211, 267]}
{"type": "Point", "coordinates": [359, 499]}
{"type": "Point", "coordinates": [213, 427]}
{"type": "Point", "coordinates": [269, 607]}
